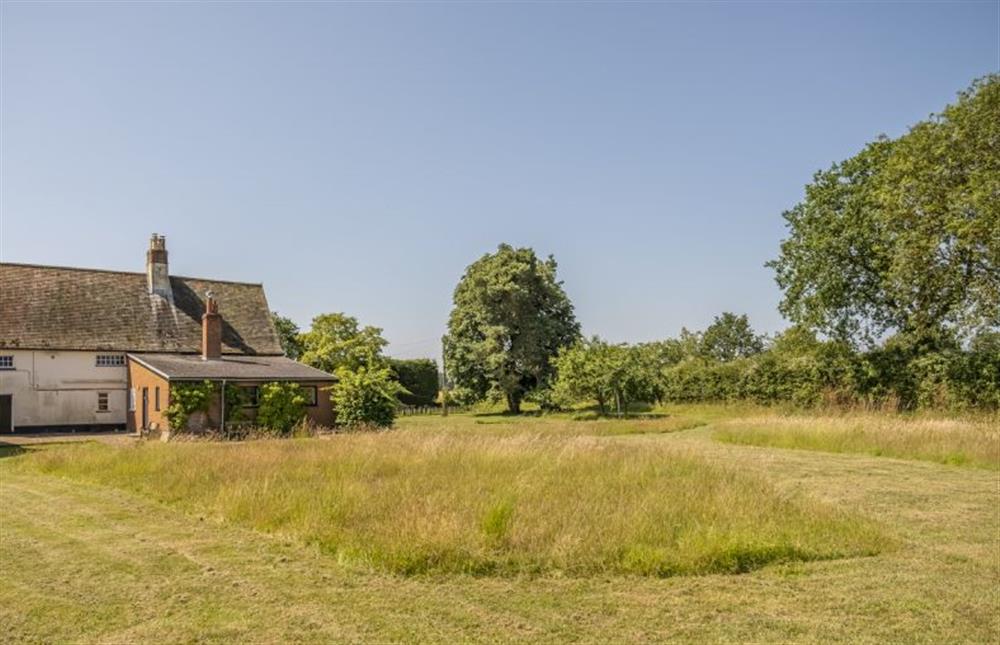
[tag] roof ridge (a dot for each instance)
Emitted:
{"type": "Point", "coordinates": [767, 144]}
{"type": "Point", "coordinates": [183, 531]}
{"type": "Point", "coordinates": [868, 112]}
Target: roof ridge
{"type": "Point", "coordinates": [90, 270]}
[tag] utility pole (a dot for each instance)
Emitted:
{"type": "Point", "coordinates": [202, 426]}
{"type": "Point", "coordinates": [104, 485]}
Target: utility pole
{"type": "Point", "coordinates": [444, 382]}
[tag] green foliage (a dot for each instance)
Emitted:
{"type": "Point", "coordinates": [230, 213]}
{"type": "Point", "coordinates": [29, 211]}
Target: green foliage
{"type": "Point", "coordinates": [612, 375]}
{"type": "Point", "coordinates": [700, 379]}
{"type": "Point", "coordinates": [337, 341]}
{"type": "Point", "coordinates": [288, 335]}
{"type": "Point", "coordinates": [186, 399]}
{"type": "Point", "coordinates": [802, 370]}
{"type": "Point", "coordinates": [730, 337]}
{"type": "Point", "coordinates": [510, 319]}
{"type": "Point", "coordinates": [236, 399]}
{"type": "Point", "coordinates": [281, 406]}
{"type": "Point", "coordinates": [419, 377]}
{"type": "Point", "coordinates": [365, 396]}
{"type": "Point", "coordinates": [904, 236]}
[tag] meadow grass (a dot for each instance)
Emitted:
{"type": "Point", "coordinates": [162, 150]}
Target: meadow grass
{"type": "Point", "coordinates": [963, 442]}
{"type": "Point", "coordinates": [255, 543]}
{"type": "Point", "coordinates": [423, 500]}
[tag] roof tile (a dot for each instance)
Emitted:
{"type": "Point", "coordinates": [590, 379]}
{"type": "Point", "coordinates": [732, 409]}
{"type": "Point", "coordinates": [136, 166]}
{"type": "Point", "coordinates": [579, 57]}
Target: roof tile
{"type": "Point", "coordinates": [44, 307]}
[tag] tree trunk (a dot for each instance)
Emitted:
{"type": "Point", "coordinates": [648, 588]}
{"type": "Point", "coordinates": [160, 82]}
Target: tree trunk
{"type": "Point", "coordinates": [600, 405]}
{"type": "Point", "coordinates": [514, 403]}
{"type": "Point", "coordinates": [618, 402]}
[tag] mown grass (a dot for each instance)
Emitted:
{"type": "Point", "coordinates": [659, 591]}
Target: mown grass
{"type": "Point", "coordinates": [961, 442]}
{"type": "Point", "coordinates": [421, 501]}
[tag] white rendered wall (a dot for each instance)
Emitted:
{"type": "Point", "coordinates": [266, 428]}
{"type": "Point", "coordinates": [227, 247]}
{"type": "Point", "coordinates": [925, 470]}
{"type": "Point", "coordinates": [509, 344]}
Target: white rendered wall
{"type": "Point", "coordinates": [58, 388]}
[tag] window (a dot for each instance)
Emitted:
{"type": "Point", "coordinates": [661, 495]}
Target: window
{"type": "Point", "coordinates": [131, 400]}
{"type": "Point", "coordinates": [102, 401]}
{"type": "Point", "coordinates": [310, 392]}
{"type": "Point", "coordinates": [110, 360]}
{"type": "Point", "coordinates": [250, 396]}
{"type": "Point", "coordinates": [6, 362]}
{"type": "Point", "coordinates": [156, 398]}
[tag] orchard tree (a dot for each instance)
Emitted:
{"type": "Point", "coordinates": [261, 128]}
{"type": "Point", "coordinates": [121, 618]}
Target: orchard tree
{"type": "Point", "coordinates": [730, 337]}
{"type": "Point", "coordinates": [611, 375]}
{"type": "Point", "coordinates": [510, 318]}
{"type": "Point", "coordinates": [288, 335]}
{"type": "Point", "coordinates": [904, 237]}
{"type": "Point", "coordinates": [337, 341]}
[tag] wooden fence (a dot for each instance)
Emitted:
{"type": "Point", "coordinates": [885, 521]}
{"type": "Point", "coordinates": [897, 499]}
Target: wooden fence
{"type": "Point", "coordinates": [410, 410]}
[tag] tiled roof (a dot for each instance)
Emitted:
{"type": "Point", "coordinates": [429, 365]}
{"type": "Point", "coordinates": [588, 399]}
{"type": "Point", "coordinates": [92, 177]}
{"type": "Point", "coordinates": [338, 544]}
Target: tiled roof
{"type": "Point", "coordinates": [253, 368]}
{"type": "Point", "coordinates": [44, 307]}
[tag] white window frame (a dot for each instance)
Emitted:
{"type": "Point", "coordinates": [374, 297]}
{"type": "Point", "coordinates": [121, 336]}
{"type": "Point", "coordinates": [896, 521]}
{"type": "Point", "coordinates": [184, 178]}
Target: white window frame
{"type": "Point", "coordinates": [7, 362]}
{"type": "Point", "coordinates": [110, 360]}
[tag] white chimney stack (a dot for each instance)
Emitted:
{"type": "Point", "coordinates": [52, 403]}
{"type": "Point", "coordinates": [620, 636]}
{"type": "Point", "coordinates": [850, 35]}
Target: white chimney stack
{"type": "Point", "coordinates": [157, 275]}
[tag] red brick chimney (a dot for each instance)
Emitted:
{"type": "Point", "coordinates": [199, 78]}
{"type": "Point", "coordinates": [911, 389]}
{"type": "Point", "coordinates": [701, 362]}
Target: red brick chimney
{"type": "Point", "coordinates": [211, 330]}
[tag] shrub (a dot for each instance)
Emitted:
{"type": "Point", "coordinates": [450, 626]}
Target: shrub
{"type": "Point", "coordinates": [281, 406]}
{"type": "Point", "coordinates": [365, 397]}
{"type": "Point", "coordinates": [185, 400]}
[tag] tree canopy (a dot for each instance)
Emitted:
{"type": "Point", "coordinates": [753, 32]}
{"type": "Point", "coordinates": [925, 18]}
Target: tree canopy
{"type": "Point", "coordinates": [612, 375]}
{"type": "Point", "coordinates": [419, 376]}
{"type": "Point", "coordinates": [510, 319]}
{"type": "Point", "coordinates": [337, 341]}
{"type": "Point", "coordinates": [904, 237]}
{"type": "Point", "coordinates": [730, 337]}
{"type": "Point", "coordinates": [288, 335]}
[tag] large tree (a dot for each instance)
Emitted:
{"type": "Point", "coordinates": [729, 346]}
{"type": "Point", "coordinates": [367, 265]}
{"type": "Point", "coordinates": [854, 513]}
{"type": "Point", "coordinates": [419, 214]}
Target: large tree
{"type": "Point", "coordinates": [338, 341]}
{"type": "Point", "coordinates": [905, 236]}
{"type": "Point", "coordinates": [510, 318]}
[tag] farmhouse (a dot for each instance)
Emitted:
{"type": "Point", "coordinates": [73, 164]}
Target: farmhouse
{"type": "Point", "coordinates": [89, 349]}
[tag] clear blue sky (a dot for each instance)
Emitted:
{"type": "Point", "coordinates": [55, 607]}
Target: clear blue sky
{"type": "Point", "coordinates": [358, 157]}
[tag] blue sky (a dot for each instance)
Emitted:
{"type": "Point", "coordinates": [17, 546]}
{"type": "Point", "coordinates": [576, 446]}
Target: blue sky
{"type": "Point", "coordinates": [357, 157]}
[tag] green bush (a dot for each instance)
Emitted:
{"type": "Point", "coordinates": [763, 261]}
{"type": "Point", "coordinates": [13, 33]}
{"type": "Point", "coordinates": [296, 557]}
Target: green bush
{"type": "Point", "coordinates": [185, 400]}
{"type": "Point", "coordinates": [281, 406]}
{"type": "Point", "coordinates": [365, 396]}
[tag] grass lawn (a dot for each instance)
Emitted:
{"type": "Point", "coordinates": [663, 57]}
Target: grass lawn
{"type": "Point", "coordinates": [972, 442]}
{"type": "Point", "coordinates": [490, 527]}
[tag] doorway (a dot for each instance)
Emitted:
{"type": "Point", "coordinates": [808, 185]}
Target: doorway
{"type": "Point", "coordinates": [6, 413]}
{"type": "Point", "coordinates": [145, 408]}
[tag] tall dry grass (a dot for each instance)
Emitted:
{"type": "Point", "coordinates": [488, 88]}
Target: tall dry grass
{"type": "Point", "coordinates": [425, 501]}
{"type": "Point", "coordinates": [969, 442]}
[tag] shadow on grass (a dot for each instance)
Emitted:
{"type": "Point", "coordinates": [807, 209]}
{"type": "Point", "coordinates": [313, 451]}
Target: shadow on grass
{"type": "Point", "coordinates": [591, 413]}
{"type": "Point", "coordinates": [625, 416]}
{"type": "Point", "coordinates": [511, 415]}
{"type": "Point", "coordinates": [10, 449]}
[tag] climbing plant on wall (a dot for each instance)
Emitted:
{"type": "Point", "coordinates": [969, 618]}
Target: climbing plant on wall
{"type": "Point", "coordinates": [185, 400]}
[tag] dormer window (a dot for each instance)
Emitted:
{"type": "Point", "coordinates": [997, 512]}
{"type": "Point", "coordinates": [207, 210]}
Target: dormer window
{"type": "Point", "coordinates": [110, 360]}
